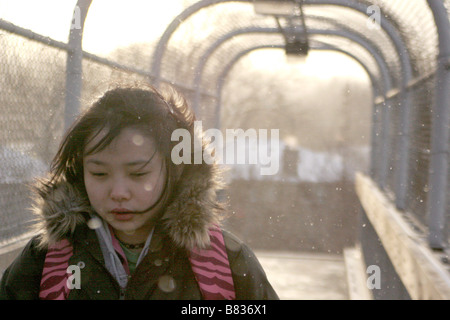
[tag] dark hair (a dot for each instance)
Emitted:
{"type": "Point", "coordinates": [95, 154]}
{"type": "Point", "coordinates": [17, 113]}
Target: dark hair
{"type": "Point", "coordinates": [156, 113]}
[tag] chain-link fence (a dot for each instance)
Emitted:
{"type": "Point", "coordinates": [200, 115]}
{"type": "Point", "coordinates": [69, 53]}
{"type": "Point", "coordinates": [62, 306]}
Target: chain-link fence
{"type": "Point", "coordinates": [32, 102]}
{"type": "Point", "coordinates": [407, 126]}
{"type": "Point", "coordinates": [33, 71]}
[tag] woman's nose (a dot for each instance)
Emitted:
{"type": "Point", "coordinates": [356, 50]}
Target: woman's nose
{"type": "Point", "coordinates": [119, 191]}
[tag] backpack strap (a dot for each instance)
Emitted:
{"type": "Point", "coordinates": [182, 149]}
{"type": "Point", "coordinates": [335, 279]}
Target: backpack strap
{"type": "Point", "coordinates": [212, 269]}
{"type": "Point", "coordinates": [54, 274]}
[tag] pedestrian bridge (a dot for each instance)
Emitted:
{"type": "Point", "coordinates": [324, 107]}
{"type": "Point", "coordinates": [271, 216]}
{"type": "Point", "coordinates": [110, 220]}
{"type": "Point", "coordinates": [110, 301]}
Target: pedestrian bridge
{"type": "Point", "coordinates": [352, 95]}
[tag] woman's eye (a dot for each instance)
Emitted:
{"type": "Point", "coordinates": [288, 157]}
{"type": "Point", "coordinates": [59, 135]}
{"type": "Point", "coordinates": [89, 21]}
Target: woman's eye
{"type": "Point", "coordinates": [98, 174]}
{"type": "Point", "coordinates": [139, 174]}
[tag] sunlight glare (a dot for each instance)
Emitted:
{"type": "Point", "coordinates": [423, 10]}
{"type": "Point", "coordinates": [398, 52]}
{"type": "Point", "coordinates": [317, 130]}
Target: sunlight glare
{"type": "Point", "coordinates": [109, 24]}
{"type": "Point", "coordinates": [115, 23]}
{"type": "Point", "coordinates": [320, 64]}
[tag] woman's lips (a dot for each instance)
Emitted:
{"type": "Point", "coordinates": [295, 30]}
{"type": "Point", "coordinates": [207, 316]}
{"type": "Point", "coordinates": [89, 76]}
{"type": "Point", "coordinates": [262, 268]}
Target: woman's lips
{"type": "Point", "coordinates": [122, 214]}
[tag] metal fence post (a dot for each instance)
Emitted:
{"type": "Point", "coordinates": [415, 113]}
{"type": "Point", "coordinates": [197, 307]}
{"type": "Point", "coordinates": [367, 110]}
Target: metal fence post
{"type": "Point", "coordinates": [439, 158]}
{"type": "Point", "coordinates": [74, 70]}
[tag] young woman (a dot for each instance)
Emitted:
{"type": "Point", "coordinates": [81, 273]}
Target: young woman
{"type": "Point", "coordinates": [120, 220]}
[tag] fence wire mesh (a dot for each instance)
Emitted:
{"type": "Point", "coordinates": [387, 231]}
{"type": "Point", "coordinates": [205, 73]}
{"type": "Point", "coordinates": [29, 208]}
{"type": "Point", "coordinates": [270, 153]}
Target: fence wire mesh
{"type": "Point", "coordinates": [421, 38]}
{"type": "Point", "coordinates": [32, 100]}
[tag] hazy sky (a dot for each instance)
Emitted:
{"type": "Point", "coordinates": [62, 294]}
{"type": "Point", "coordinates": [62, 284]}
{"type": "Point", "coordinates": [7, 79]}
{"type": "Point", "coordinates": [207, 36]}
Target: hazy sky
{"type": "Point", "coordinates": [110, 23]}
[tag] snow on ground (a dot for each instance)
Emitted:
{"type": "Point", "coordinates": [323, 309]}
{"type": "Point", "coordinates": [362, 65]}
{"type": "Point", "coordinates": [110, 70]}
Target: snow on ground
{"type": "Point", "coordinates": [305, 276]}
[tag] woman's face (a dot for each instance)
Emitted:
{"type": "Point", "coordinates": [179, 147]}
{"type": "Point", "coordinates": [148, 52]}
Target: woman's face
{"type": "Point", "coordinates": [122, 182]}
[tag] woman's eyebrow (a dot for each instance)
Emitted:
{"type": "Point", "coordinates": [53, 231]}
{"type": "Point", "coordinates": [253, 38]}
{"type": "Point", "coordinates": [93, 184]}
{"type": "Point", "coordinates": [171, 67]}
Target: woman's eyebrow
{"type": "Point", "coordinates": [97, 162]}
{"type": "Point", "coordinates": [137, 162]}
{"type": "Point", "coordinates": [128, 164]}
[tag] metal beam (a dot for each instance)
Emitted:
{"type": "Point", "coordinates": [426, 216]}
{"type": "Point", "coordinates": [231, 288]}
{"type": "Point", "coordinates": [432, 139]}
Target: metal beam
{"type": "Point", "coordinates": [74, 69]}
{"type": "Point", "coordinates": [439, 158]}
{"type": "Point", "coordinates": [172, 27]}
{"type": "Point", "coordinates": [26, 33]}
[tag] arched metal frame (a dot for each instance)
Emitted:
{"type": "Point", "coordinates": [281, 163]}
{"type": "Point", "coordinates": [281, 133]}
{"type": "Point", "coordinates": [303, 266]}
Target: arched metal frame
{"type": "Point", "coordinates": [384, 23]}
{"type": "Point", "coordinates": [367, 45]}
{"type": "Point", "coordinates": [401, 180]}
{"type": "Point", "coordinates": [321, 46]}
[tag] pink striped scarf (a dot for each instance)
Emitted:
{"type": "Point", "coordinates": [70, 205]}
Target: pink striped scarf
{"type": "Point", "coordinates": [54, 275]}
{"type": "Point", "coordinates": [211, 268]}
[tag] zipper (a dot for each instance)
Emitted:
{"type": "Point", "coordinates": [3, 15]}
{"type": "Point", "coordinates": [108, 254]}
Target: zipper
{"type": "Point", "coordinates": [122, 294]}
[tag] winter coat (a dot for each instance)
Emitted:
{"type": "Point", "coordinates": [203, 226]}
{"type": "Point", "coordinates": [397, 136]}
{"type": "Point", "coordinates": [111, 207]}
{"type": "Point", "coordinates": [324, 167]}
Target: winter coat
{"type": "Point", "coordinates": [164, 273]}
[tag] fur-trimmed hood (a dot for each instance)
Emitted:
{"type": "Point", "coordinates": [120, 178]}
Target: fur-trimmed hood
{"type": "Point", "coordinates": [60, 208]}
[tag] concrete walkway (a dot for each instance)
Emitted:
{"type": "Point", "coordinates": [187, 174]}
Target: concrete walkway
{"type": "Point", "coordinates": [306, 276]}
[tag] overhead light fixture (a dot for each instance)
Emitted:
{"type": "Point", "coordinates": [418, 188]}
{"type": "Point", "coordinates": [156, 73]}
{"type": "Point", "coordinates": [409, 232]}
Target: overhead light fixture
{"type": "Point", "coordinates": [294, 31]}
{"type": "Point", "coordinates": [297, 47]}
{"type": "Point", "coordinates": [275, 7]}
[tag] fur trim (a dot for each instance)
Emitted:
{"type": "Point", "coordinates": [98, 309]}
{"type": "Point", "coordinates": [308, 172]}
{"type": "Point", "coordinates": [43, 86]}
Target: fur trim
{"type": "Point", "coordinates": [60, 208]}
{"type": "Point", "coordinates": [195, 209]}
